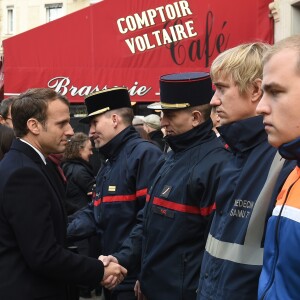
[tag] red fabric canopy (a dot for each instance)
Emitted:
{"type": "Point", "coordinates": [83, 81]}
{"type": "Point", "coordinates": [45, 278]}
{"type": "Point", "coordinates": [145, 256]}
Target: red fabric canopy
{"type": "Point", "coordinates": [130, 43]}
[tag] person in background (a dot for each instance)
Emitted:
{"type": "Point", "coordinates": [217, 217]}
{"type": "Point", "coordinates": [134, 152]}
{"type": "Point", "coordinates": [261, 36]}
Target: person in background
{"type": "Point", "coordinates": [34, 261]}
{"type": "Point", "coordinates": [6, 138]}
{"type": "Point", "coordinates": [78, 171]}
{"type": "Point", "coordinates": [5, 112]}
{"type": "Point", "coordinates": [122, 183]}
{"type": "Point", "coordinates": [138, 121]}
{"type": "Point", "coordinates": [142, 132]}
{"type": "Point", "coordinates": [216, 120]}
{"type": "Point", "coordinates": [6, 126]}
{"type": "Point", "coordinates": [153, 128]}
{"type": "Point", "coordinates": [280, 107]}
{"type": "Point", "coordinates": [97, 159]}
{"type": "Point", "coordinates": [80, 182]}
{"type": "Point", "coordinates": [234, 249]}
{"type": "Point", "coordinates": [138, 124]}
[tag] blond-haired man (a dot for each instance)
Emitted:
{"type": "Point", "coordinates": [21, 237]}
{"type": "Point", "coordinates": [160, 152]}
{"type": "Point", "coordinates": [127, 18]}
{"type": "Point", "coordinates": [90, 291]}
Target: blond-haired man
{"type": "Point", "coordinates": [233, 257]}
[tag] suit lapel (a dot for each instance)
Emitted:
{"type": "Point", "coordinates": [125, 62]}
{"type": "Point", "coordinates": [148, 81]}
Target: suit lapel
{"type": "Point", "coordinates": [47, 170]}
{"type": "Point", "coordinates": [56, 185]}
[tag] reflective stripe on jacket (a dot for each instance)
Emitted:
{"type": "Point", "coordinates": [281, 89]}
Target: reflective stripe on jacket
{"type": "Point", "coordinates": [233, 258]}
{"type": "Point", "coordinates": [121, 187]}
{"type": "Point", "coordinates": [280, 276]}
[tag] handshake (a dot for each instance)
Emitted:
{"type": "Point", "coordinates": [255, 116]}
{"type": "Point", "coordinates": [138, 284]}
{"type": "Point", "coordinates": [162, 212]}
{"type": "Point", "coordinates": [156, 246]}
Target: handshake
{"type": "Point", "coordinates": [114, 273]}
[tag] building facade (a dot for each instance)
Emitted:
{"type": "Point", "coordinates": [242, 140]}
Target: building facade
{"type": "Point", "coordinates": [17, 16]}
{"type": "Point", "coordinates": [286, 15]}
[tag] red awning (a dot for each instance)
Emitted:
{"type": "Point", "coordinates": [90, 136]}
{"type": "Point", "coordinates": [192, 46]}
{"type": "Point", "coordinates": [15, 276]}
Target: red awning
{"type": "Point", "coordinates": [130, 43]}
{"type": "Point", "coordinates": [1, 75]}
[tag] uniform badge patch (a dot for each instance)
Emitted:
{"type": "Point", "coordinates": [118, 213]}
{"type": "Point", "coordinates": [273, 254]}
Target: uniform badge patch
{"type": "Point", "coordinates": [163, 211]}
{"type": "Point", "coordinates": [112, 188]}
{"type": "Point", "coordinates": [166, 191]}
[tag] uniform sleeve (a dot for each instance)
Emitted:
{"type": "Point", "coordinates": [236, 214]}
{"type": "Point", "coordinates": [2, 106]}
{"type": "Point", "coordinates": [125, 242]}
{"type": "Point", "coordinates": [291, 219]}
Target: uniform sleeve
{"type": "Point", "coordinates": [209, 178]}
{"type": "Point", "coordinates": [81, 224]}
{"type": "Point", "coordinates": [32, 216]}
{"type": "Point", "coordinates": [148, 159]}
{"type": "Point", "coordinates": [131, 249]}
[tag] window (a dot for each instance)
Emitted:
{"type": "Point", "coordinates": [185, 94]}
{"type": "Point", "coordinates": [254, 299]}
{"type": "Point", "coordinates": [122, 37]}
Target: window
{"type": "Point", "coordinates": [53, 11]}
{"type": "Point", "coordinates": [10, 20]}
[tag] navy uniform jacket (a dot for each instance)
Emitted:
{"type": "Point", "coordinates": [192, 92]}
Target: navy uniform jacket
{"type": "Point", "coordinates": [177, 213]}
{"type": "Point", "coordinates": [233, 258]}
{"type": "Point", "coordinates": [33, 261]}
{"type": "Point", "coordinates": [121, 188]}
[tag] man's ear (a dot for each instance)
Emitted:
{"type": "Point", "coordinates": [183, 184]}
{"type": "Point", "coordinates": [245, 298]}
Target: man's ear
{"type": "Point", "coordinates": [197, 118]}
{"type": "Point", "coordinates": [115, 120]}
{"type": "Point", "coordinates": [256, 91]}
{"type": "Point", "coordinates": [33, 126]}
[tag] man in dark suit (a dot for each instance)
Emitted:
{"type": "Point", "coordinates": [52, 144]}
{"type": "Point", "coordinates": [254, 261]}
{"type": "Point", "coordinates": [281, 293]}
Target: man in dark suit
{"type": "Point", "coordinates": [34, 263]}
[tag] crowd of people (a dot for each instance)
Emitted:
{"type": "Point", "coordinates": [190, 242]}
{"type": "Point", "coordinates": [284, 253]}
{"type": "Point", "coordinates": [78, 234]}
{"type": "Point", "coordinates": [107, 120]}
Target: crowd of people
{"type": "Point", "coordinates": [197, 202]}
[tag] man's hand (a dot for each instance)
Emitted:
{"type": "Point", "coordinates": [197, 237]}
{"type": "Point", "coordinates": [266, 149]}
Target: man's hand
{"type": "Point", "coordinates": [113, 272]}
{"type": "Point", "coordinates": [137, 291]}
{"type": "Point", "coordinates": [107, 259]}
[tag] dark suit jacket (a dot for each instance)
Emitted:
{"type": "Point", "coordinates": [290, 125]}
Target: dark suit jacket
{"type": "Point", "coordinates": [33, 261]}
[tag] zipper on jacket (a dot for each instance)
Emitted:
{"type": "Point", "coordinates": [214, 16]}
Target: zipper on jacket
{"type": "Point", "coordinates": [277, 241]}
{"type": "Point", "coordinates": [149, 204]}
{"type": "Point", "coordinates": [156, 179]}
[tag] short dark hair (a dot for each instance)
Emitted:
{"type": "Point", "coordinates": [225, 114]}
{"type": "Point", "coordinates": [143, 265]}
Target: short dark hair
{"type": "Point", "coordinates": [6, 137]}
{"type": "Point", "coordinates": [4, 106]}
{"type": "Point", "coordinates": [205, 110]}
{"type": "Point", "coordinates": [126, 114]}
{"type": "Point", "coordinates": [32, 104]}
